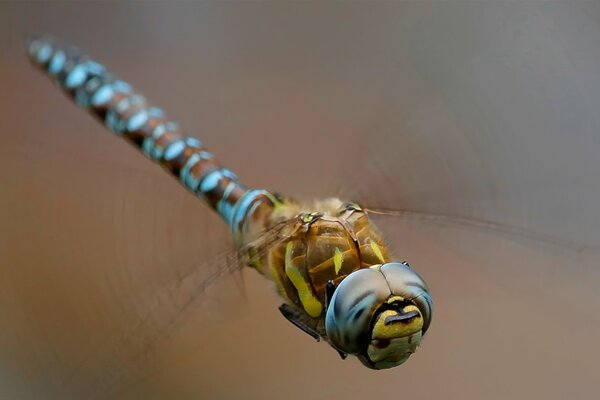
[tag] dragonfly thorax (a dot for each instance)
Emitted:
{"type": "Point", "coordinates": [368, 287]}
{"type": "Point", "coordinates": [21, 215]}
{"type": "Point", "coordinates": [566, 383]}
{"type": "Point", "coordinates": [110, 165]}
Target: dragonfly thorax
{"type": "Point", "coordinates": [333, 270]}
{"type": "Point", "coordinates": [321, 246]}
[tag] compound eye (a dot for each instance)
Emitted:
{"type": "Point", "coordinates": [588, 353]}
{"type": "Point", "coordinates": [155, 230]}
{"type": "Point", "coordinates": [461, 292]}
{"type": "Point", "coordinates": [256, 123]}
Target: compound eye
{"type": "Point", "coordinates": [348, 318]}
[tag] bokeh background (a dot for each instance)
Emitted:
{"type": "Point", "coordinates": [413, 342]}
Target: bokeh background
{"type": "Point", "coordinates": [480, 118]}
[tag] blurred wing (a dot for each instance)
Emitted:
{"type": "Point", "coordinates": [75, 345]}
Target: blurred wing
{"type": "Point", "coordinates": [500, 228]}
{"type": "Point", "coordinates": [427, 158]}
{"type": "Point", "coordinates": [106, 252]}
{"type": "Point", "coordinates": [155, 315]}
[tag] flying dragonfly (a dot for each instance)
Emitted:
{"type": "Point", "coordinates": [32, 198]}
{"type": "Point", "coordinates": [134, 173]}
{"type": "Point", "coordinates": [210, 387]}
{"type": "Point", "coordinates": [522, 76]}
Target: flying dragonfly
{"type": "Point", "coordinates": [336, 274]}
{"type": "Point", "coordinates": [329, 262]}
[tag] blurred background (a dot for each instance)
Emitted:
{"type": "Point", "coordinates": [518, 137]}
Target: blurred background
{"type": "Point", "coordinates": [479, 118]}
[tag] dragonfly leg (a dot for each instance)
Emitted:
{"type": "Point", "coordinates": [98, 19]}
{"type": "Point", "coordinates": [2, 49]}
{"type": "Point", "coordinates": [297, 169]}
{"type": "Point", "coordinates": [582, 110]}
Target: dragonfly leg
{"type": "Point", "coordinates": [329, 290]}
{"type": "Point", "coordinates": [295, 317]}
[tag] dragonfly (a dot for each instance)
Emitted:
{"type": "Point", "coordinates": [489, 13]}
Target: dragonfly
{"type": "Point", "coordinates": [330, 264]}
{"type": "Point", "coordinates": [273, 232]}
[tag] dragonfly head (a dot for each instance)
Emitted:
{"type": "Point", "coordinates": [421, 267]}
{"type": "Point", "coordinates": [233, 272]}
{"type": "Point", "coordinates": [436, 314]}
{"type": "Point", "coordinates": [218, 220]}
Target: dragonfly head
{"type": "Point", "coordinates": [379, 314]}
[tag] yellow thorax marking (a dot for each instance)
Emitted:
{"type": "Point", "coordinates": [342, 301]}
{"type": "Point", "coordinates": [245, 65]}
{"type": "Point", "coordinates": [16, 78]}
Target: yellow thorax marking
{"type": "Point", "coordinates": [377, 250]}
{"type": "Point", "coordinates": [311, 304]}
{"type": "Point", "coordinates": [254, 258]}
{"type": "Point", "coordinates": [338, 260]}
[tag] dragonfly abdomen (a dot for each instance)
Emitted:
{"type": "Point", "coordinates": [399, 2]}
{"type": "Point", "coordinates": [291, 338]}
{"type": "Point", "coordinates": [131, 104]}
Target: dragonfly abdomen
{"type": "Point", "coordinates": [127, 113]}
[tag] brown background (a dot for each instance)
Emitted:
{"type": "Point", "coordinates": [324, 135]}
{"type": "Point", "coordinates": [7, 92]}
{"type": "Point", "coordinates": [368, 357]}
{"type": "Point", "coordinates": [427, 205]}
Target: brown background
{"type": "Point", "coordinates": [487, 112]}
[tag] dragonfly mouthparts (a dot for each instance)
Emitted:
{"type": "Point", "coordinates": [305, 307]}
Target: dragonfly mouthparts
{"type": "Point", "coordinates": [401, 317]}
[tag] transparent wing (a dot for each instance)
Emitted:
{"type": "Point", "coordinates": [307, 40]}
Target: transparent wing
{"type": "Point", "coordinates": [107, 283]}
{"type": "Point", "coordinates": [501, 226]}
{"type": "Point", "coordinates": [216, 287]}
{"type": "Point", "coordinates": [137, 258]}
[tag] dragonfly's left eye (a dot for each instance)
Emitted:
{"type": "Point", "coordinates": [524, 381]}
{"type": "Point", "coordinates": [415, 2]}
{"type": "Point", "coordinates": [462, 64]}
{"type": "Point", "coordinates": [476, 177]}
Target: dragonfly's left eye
{"type": "Point", "coordinates": [379, 314]}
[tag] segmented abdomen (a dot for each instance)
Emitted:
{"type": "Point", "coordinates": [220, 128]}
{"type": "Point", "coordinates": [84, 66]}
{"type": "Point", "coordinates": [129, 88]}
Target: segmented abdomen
{"type": "Point", "coordinates": [128, 114]}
